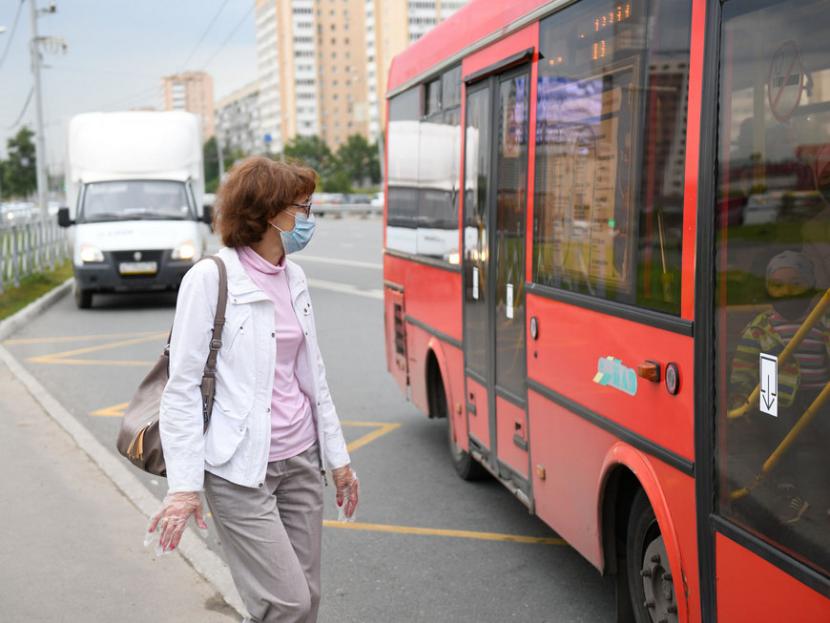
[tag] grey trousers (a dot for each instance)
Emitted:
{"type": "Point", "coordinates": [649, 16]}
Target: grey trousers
{"type": "Point", "coordinates": [272, 538]}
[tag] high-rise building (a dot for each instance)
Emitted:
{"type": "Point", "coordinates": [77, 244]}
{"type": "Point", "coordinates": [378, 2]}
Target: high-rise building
{"type": "Point", "coordinates": [238, 121]}
{"type": "Point", "coordinates": [322, 64]}
{"type": "Point", "coordinates": [311, 66]}
{"type": "Point", "coordinates": [391, 25]}
{"type": "Point", "coordinates": [191, 91]}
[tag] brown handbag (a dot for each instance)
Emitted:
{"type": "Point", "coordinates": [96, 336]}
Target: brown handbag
{"type": "Point", "coordinates": [139, 440]}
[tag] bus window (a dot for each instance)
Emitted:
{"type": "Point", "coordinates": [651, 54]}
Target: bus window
{"type": "Point", "coordinates": [610, 150]}
{"type": "Point", "coordinates": [773, 275]}
{"type": "Point", "coordinates": [402, 177]}
{"type": "Point", "coordinates": [439, 135]}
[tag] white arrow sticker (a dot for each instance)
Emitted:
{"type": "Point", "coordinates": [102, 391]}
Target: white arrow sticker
{"type": "Point", "coordinates": [769, 384]}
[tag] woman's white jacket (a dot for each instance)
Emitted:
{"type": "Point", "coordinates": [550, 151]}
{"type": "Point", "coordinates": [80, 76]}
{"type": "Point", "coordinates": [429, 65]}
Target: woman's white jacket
{"type": "Point", "coordinates": [238, 440]}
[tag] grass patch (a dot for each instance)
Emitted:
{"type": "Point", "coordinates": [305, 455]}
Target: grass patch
{"type": "Point", "coordinates": [31, 288]}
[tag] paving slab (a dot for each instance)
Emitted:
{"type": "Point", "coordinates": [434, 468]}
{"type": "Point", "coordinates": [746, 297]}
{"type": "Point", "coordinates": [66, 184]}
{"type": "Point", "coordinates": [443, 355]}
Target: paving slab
{"type": "Point", "coordinates": [71, 543]}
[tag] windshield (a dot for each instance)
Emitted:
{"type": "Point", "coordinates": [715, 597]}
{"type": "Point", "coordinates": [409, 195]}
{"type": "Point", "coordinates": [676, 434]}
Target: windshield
{"type": "Point", "coordinates": [136, 199]}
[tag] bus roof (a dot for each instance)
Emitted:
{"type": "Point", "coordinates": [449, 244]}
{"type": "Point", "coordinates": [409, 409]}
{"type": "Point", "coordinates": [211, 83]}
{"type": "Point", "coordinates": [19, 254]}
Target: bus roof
{"type": "Point", "coordinates": [479, 21]}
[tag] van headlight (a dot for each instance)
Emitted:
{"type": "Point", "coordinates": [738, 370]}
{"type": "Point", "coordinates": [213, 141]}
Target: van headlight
{"type": "Point", "coordinates": [91, 254]}
{"type": "Point", "coordinates": [185, 251]}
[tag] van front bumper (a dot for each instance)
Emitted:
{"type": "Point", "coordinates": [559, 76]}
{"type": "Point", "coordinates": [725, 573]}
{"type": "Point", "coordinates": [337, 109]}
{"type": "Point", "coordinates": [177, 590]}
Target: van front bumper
{"type": "Point", "coordinates": [106, 277]}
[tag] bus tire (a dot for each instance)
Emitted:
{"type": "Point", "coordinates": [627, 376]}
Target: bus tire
{"type": "Point", "coordinates": [465, 465]}
{"type": "Point", "coordinates": [650, 581]}
{"type": "Point", "coordinates": [83, 298]}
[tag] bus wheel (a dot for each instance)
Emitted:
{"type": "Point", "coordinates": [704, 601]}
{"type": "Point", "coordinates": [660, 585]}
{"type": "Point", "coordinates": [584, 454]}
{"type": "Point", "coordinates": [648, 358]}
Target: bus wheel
{"type": "Point", "coordinates": [649, 575]}
{"type": "Point", "coordinates": [465, 465]}
{"type": "Point", "coordinates": [83, 298]}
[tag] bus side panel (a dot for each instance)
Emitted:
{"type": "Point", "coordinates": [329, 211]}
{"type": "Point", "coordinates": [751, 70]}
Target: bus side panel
{"type": "Point", "coordinates": [454, 382]}
{"type": "Point", "coordinates": [567, 454]}
{"type": "Point", "coordinates": [433, 297]}
{"type": "Point", "coordinates": [394, 313]}
{"type": "Point", "coordinates": [511, 432]}
{"type": "Point", "coordinates": [479, 415]}
{"type": "Point", "coordinates": [751, 589]}
{"type": "Point", "coordinates": [679, 493]}
{"type": "Point", "coordinates": [592, 359]}
{"type": "Point", "coordinates": [417, 346]}
{"type": "Point", "coordinates": [432, 305]}
{"type": "Point", "coordinates": [569, 458]}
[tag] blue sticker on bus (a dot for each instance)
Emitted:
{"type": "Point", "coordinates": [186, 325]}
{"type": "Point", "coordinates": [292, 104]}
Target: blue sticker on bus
{"type": "Point", "coordinates": [613, 373]}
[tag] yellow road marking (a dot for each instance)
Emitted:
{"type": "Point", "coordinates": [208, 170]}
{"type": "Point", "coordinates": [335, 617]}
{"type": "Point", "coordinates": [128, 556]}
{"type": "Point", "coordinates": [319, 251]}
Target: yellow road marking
{"type": "Point", "coordinates": [72, 338]}
{"type": "Point", "coordinates": [113, 411]}
{"type": "Point", "coordinates": [66, 357]}
{"type": "Point", "coordinates": [382, 429]}
{"type": "Point", "coordinates": [457, 534]}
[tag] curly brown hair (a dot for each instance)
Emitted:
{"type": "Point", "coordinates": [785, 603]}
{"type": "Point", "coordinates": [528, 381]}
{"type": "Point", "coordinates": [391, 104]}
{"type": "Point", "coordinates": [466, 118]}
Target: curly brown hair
{"type": "Point", "coordinates": [257, 189]}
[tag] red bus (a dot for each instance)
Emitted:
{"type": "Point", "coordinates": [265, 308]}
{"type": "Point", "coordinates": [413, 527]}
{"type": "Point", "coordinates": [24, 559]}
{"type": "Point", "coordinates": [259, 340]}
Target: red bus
{"type": "Point", "coordinates": [607, 262]}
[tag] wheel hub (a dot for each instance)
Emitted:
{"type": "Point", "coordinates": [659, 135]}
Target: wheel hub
{"type": "Point", "coordinates": [658, 586]}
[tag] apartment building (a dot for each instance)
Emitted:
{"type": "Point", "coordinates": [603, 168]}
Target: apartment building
{"type": "Point", "coordinates": [391, 25]}
{"type": "Point", "coordinates": [311, 66]}
{"type": "Point", "coordinates": [191, 91]}
{"type": "Point", "coordinates": [238, 121]}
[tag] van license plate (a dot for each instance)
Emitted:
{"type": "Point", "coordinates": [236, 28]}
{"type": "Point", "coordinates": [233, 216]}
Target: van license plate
{"type": "Point", "coordinates": [138, 268]}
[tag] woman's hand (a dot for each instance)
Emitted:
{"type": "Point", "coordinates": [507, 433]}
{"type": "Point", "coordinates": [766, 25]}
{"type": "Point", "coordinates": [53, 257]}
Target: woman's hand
{"type": "Point", "coordinates": [347, 484]}
{"type": "Point", "coordinates": [172, 518]}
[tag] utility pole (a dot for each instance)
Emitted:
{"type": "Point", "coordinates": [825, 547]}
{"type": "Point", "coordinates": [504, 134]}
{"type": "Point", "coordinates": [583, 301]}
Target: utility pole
{"type": "Point", "coordinates": [40, 139]}
{"type": "Point", "coordinates": [220, 155]}
{"type": "Point", "coordinates": [54, 45]}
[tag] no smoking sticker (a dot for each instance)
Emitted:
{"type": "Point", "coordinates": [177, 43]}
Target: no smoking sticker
{"type": "Point", "coordinates": [785, 84]}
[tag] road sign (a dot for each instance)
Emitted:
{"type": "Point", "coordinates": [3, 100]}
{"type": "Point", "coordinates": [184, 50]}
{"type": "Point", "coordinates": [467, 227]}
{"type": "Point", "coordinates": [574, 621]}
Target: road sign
{"type": "Point", "coordinates": [769, 384]}
{"type": "Point", "coordinates": [785, 84]}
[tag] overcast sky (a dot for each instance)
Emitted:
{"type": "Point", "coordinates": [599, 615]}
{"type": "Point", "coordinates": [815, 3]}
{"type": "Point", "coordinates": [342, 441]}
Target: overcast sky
{"type": "Point", "coordinates": [118, 52]}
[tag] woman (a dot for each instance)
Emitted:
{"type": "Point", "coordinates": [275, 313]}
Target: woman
{"type": "Point", "coordinates": [274, 428]}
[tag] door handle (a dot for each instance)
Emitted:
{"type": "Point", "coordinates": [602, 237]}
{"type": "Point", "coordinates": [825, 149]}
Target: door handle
{"type": "Point", "coordinates": [649, 370]}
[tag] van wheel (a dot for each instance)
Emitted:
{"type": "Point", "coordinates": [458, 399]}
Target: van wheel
{"type": "Point", "coordinates": [83, 298]}
{"type": "Point", "coordinates": [650, 580]}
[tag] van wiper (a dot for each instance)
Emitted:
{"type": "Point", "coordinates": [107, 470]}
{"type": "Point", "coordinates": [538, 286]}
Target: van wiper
{"type": "Point", "coordinates": [102, 217]}
{"type": "Point", "coordinates": [156, 216]}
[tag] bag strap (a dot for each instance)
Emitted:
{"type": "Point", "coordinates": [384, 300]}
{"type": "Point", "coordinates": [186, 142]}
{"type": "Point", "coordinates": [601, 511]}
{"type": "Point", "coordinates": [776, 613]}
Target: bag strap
{"type": "Point", "coordinates": [219, 318]}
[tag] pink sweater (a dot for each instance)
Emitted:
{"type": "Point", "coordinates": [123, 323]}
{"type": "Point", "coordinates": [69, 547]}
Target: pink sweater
{"type": "Point", "coordinates": [292, 425]}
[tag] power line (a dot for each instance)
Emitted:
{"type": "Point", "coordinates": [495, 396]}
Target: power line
{"type": "Point", "coordinates": [230, 36]}
{"type": "Point", "coordinates": [11, 34]}
{"type": "Point", "coordinates": [143, 93]}
{"type": "Point", "coordinates": [23, 110]}
{"type": "Point", "coordinates": [204, 34]}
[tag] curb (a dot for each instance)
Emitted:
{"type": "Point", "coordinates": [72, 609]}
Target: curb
{"type": "Point", "coordinates": [192, 548]}
{"type": "Point", "coordinates": [34, 309]}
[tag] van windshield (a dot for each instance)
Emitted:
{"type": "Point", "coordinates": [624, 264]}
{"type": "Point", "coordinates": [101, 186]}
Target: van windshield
{"type": "Point", "coordinates": [136, 200]}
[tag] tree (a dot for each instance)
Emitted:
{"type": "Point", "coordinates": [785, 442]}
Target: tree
{"type": "Point", "coordinates": [18, 171]}
{"type": "Point", "coordinates": [359, 160]}
{"type": "Point", "coordinates": [311, 151]}
{"type": "Point", "coordinates": [210, 154]}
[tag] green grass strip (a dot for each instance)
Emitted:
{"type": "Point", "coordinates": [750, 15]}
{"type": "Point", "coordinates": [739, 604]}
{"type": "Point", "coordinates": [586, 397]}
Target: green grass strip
{"type": "Point", "coordinates": [31, 288]}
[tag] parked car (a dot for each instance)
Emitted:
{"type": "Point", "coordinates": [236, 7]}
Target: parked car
{"type": "Point", "coordinates": [16, 211]}
{"type": "Point", "coordinates": [358, 199]}
{"type": "Point", "coordinates": [377, 201]}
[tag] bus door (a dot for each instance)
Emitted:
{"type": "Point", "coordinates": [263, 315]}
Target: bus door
{"type": "Point", "coordinates": [771, 338]}
{"type": "Point", "coordinates": [496, 171]}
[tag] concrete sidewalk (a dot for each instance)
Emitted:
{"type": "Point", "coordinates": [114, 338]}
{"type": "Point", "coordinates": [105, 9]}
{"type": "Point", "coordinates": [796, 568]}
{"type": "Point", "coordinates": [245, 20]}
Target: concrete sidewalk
{"type": "Point", "coordinates": [71, 543]}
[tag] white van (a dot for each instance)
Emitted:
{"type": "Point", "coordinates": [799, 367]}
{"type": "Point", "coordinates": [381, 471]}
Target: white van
{"type": "Point", "coordinates": [135, 187]}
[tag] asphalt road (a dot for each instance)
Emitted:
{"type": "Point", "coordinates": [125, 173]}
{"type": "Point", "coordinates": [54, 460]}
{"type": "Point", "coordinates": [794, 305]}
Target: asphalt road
{"type": "Point", "coordinates": [395, 564]}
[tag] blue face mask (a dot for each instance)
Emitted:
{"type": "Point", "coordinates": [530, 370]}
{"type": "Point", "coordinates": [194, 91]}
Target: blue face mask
{"type": "Point", "coordinates": [296, 239]}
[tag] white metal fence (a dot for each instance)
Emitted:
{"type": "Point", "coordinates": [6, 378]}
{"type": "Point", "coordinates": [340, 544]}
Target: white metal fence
{"type": "Point", "coordinates": [29, 245]}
